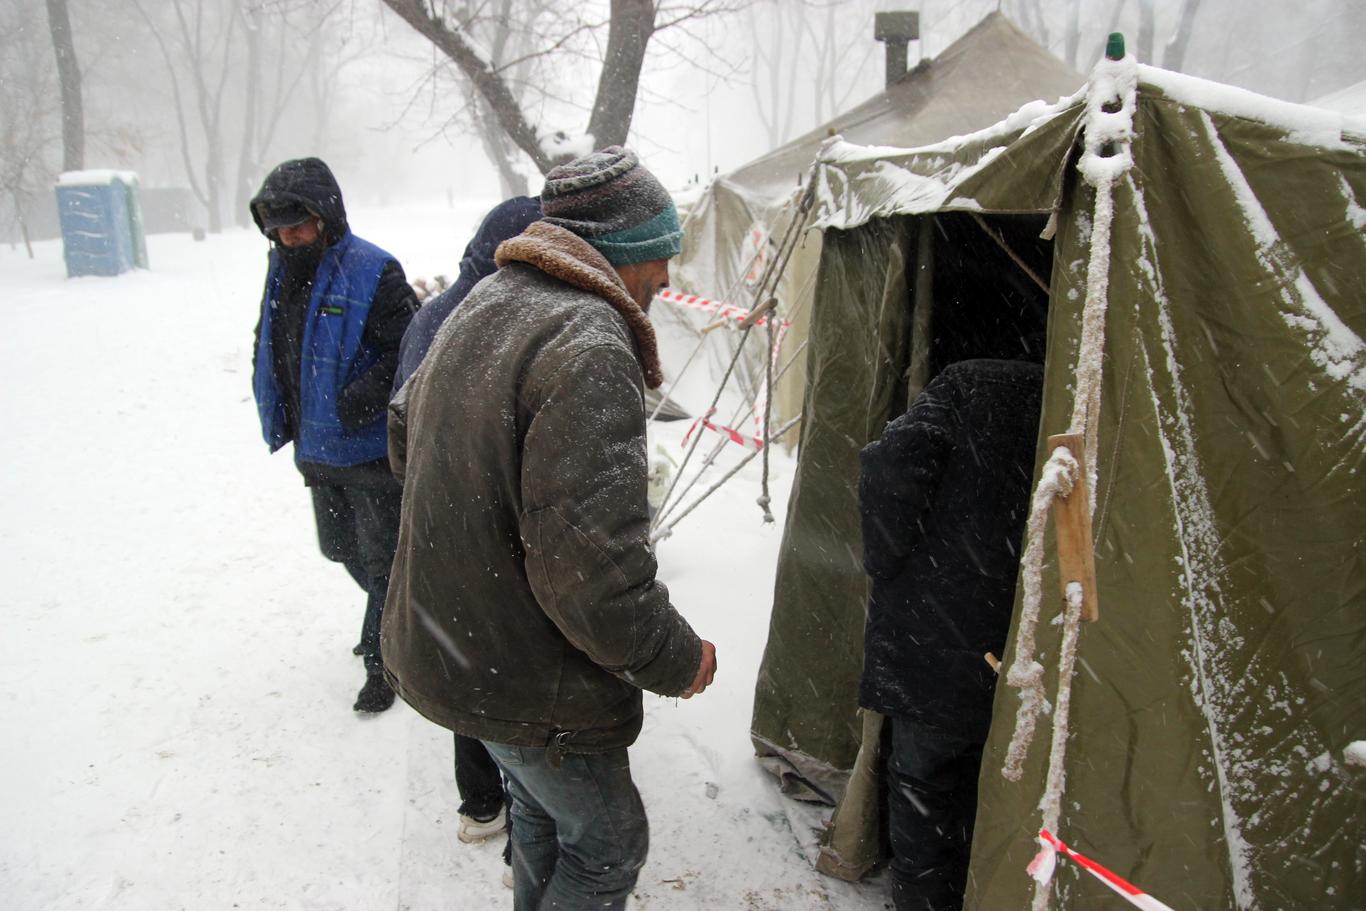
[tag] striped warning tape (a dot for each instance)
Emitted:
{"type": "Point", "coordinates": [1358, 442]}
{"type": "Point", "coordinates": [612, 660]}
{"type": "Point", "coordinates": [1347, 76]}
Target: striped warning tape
{"type": "Point", "coordinates": [734, 435]}
{"type": "Point", "coordinates": [725, 311]}
{"type": "Point", "coordinates": [1041, 868]}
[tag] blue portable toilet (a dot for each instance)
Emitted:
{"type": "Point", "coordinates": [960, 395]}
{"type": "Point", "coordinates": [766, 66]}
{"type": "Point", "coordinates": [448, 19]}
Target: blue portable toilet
{"type": "Point", "coordinates": [101, 221]}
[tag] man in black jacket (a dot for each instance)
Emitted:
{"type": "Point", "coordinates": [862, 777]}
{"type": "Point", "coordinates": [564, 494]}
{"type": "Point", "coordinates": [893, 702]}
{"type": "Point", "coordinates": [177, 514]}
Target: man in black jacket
{"type": "Point", "coordinates": [503, 222]}
{"type": "Point", "coordinates": [332, 316]}
{"type": "Point", "coordinates": [944, 496]}
{"type": "Point", "coordinates": [483, 800]}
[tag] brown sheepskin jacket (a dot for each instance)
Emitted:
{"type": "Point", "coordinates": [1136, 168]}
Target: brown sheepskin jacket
{"type": "Point", "coordinates": [523, 604]}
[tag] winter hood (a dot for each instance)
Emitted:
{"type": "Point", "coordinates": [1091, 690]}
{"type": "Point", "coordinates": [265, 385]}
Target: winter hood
{"type": "Point", "coordinates": [308, 182]}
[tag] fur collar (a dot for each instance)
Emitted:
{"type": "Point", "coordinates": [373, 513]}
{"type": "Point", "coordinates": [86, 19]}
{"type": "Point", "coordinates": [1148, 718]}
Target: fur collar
{"type": "Point", "coordinates": [564, 255]}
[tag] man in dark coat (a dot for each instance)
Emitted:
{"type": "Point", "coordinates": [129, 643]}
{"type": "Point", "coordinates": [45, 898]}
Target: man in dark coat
{"type": "Point", "coordinates": [944, 495]}
{"type": "Point", "coordinates": [332, 315]}
{"type": "Point", "coordinates": [524, 609]}
{"type": "Point", "coordinates": [482, 812]}
{"type": "Point", "coordinates": [503, 222]}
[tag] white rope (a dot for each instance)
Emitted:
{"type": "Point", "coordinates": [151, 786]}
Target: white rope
{"type": "Point", "coordinates": [1026, 674]}
{"type": "Point", "coordinates": [1111, 98]}
{"type": "Point", "coordinates": [660, 533]}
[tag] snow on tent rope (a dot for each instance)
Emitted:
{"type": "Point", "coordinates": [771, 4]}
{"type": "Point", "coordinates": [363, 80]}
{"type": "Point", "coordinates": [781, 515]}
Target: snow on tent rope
{"type": "Point", "coordinates": [1110, 100]}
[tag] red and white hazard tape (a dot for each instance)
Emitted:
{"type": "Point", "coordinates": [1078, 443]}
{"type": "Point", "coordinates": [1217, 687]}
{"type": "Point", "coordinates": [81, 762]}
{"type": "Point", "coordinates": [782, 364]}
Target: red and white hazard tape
{"type": "Point", "coordinates": [725, 311]}
{"type": "Point", "coordinates": [1041, 868]}
{"type": "Point", "coordinates": [734, 435]}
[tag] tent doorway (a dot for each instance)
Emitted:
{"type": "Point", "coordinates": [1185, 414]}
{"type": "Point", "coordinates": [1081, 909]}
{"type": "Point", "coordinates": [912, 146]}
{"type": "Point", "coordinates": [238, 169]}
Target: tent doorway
{"type": "Point", "coordinates": [986, 278]}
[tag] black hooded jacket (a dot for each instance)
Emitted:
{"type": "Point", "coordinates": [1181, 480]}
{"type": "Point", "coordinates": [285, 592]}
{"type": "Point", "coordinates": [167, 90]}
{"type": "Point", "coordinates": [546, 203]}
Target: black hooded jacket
{"type": "Point", "coordinates": [944, 496]}
{"type": "Point", "coordinates": [503, 222]}
{"type": "Point", "coordinates": [310, 183]}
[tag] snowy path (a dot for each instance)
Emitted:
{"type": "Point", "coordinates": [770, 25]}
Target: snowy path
{"type": "Point", "coordinates": [176, 702]}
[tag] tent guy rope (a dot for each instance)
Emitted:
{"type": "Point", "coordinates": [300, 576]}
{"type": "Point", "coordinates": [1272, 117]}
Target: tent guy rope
{"type": "Point", "coordinates": [763, 294]}
{"type": "Point", "coordinates": [1106, 156]}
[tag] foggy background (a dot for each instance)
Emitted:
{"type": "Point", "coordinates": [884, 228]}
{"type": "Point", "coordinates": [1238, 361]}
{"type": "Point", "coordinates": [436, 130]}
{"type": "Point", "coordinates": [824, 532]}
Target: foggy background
{"type": "Point", "coordinates": [202, 97]}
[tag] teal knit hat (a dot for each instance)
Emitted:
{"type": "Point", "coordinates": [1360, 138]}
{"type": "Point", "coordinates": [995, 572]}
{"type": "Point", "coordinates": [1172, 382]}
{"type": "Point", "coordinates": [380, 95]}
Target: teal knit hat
{"type": "Point", "coordinates": [610, 200]}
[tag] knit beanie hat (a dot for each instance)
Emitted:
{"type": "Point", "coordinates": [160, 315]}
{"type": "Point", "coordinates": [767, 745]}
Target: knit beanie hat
{"type": "Point", "coordinates": [610, 200]}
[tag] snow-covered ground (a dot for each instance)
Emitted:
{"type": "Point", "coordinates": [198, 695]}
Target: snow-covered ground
{"type": "Point", "coordinates": [177, 675]}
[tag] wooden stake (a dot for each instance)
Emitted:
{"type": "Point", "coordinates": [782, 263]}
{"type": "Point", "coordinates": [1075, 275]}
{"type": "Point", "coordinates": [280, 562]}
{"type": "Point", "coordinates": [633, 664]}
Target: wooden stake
{"type": "Point", "coordinates": [1072, 516]}
{"type": "Point", "coordinates": [757, 313]}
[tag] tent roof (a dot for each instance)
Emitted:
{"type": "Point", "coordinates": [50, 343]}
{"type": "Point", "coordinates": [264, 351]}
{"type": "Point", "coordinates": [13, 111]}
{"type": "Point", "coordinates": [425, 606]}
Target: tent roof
{"type": "Point", "coordinates": [973, 173]}
{"type": "Point", "coordinates": [983, 76]}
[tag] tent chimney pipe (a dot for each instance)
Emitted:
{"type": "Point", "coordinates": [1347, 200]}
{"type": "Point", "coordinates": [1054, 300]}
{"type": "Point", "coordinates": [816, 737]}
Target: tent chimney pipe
{"type": "Point", "coordinates": [896, 30]}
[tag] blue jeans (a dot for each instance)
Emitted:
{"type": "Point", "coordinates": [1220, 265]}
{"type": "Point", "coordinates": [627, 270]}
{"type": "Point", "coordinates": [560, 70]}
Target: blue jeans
{"type": "Point", "coordinates": [579, 836]}
{"type": "Point", "coordinates": [932, 804]}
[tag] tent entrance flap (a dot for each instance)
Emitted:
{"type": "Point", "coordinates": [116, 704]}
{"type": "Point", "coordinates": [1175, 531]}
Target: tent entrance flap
{"type": "Point", "coordinates": [896, 301]}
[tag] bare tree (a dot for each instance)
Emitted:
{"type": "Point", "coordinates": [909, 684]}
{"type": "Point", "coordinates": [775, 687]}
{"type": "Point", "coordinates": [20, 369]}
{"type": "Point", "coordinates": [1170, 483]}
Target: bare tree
{"type": "Point", "coordinates": [572, 35]}
{"type": "Point", "coordinates": [1072, 32]}
{"type": "Point", "coordinates": [69, 75]}
{"type": "Point", "coordinates": [248, 158]}
{"type": "Point", "coordinates": [1033, 20]}
{"type": "Point", "coordinates": [511, 50]}
{"type": "Point", "coordinates": [808, 49]}
{"type": "Point", "coordinates": [840, 60]}
{"type": "Point", "coordinates": [778, 39]}
{"type": "Point", "coordinates": [1175, 56]}
{"type": "Point", "coordinates": [1147, 30]}
{"type": "Point", "coordinates": [286, 45]}
{"type": "Point", "coordinates": [199, 37]}
{"type": "Point", "coordinates": [28, 140]}
{"type": "Point", "coordinates": [333, 44]}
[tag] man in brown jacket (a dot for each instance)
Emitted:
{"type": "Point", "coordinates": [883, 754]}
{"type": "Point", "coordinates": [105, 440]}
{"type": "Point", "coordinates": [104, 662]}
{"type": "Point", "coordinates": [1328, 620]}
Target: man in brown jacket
{"type": "Point", "coordinates": [523, 608]}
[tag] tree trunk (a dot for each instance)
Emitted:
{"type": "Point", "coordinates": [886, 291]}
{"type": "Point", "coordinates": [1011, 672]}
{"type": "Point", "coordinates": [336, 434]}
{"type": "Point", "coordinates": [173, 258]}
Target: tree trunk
{"type": "Point", "coordinates": [1073, 34]}
{"type": "Point", "coordinates": [1146, 28]}
{"type": "Point", "coordinates": [1032, 19]}
{"type": "Point", "coordinates": [488, 83]}
{"type": "Point", "coordinates": [511, 181]}
{"type": "Point", "coordinates": [246, 163]}
{"type": "Point", "coordinates": [1175, 56]}
{"type": "Point", "coordinates": [633, 22]}
{"type": "Point", "coordinates": [23, 222]}
{"type": "Point", "coordinates": [497, 147]}
{"type": "Point", "coordinates": [69, 73]}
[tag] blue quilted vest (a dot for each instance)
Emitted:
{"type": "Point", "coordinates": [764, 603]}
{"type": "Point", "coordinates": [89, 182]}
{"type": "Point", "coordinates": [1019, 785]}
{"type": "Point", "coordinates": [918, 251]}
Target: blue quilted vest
{"type": "Point", "coordinates": [333, 355]}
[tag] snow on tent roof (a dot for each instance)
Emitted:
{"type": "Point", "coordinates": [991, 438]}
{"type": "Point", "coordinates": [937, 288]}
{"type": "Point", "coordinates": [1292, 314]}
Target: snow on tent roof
{"type": "Point", "coordinates": [862, 182]}
{"type": "Point", "coordinates": [984, 75]}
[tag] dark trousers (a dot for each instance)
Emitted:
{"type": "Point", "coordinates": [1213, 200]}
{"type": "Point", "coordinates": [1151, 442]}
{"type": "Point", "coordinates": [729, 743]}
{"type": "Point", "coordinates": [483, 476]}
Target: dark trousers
{"type": "Point", "coordinates": [932, 803]}
{"type": "Point", "coordinates": [580, 835]}
{"type": "Point", "coordinates": [358, 528]}
{"type": "Point", "coordinates": [477, 779]}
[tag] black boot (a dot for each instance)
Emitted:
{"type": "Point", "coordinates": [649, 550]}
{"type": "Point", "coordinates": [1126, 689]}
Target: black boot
{"type": "Point", "coordinates": [375, 696]}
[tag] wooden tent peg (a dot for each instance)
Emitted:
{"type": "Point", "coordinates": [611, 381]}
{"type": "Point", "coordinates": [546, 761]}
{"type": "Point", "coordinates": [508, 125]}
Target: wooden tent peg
{"type": "Point", "coordinates": [758, 313]}
{"type": "Point", "coordinates": [1072, 517]}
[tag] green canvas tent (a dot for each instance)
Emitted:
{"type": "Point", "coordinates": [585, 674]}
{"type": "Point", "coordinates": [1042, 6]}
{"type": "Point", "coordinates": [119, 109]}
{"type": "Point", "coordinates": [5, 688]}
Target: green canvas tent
{"type": "Point", "coordinates": [1213, 748]}
{"type": "Point", "coordinates": [737, 223]}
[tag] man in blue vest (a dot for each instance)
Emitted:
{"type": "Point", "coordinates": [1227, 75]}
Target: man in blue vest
{"type": "Point", "coordinates": [332, 316]}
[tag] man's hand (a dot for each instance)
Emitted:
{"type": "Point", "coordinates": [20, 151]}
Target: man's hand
{"type": "Point", "coordinates": [705, 672]}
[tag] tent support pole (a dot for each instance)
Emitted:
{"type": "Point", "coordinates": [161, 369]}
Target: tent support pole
{"type": "Point", "coordinates": [1014, 257]}
{"type": "Point", "coordinates": [922, 311]}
